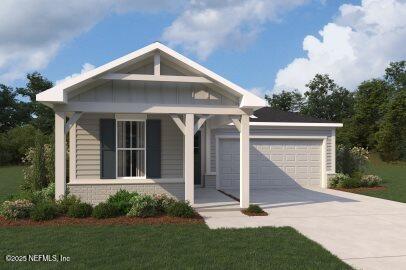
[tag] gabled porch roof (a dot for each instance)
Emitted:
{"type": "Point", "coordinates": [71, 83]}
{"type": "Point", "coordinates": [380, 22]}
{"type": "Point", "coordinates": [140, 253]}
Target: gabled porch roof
{"type": "Point", "coordinates": [59, 93]}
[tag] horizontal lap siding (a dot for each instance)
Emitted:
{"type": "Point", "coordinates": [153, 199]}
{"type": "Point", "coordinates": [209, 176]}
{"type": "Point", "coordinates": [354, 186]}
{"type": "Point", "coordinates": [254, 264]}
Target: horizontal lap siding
{"type": "Point", "coordinates": [88, 147]}
{"type": "Point", "coordinates": [273, 132]}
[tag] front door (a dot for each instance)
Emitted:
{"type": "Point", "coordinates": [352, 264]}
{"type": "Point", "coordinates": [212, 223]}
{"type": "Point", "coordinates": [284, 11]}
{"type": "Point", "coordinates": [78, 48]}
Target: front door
{"type": "Point", "coordinates": [197, 158]}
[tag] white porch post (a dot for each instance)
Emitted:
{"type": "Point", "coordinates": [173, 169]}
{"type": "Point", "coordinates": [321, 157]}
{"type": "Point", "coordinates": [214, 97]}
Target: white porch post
{"type": "Point", "coordinates": [245, 162]}
{"type": "Point", "coordinates": [60, 155]}
{"type": "Point", "coordinates": [189, 158]}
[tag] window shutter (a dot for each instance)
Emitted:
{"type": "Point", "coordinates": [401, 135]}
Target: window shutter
{"type": "Point", "coordinates": [153, 148]}
{"type": "Point", "coordinates": [107, 148]}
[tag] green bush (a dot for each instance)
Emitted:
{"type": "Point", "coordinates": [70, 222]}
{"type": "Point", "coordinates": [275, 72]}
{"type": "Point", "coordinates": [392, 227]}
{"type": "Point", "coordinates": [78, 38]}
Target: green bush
{"type": "Point", "coordinates": [66, 202]}
{"type": "Point", "coordinates": [44, 211]}
{"type": "Point", "coordinates": [106, 210]}
{"type": "Point", "coordinates": [143, 206]}
{"type": "Point", "coordinates": [16, 209]}
{"type": "Point", "coordinates": [163, 202]}
{"type": "Point", "coordinates": [254, 208]}
{"type": "Point", "coordinates": [351, 160]}
{"type": "Point", "coordinates": [344, 181]}
{"type": "Point", "coordinates": [122, 199]}
{"type": "Point", "coordinates": [181, 209]}
{"type": "Point", "coordinates": [370, 180]}
{"type": "Point", "coordinates": [39, 172]}
{"type": "Point", "coordinates": [80, 210]}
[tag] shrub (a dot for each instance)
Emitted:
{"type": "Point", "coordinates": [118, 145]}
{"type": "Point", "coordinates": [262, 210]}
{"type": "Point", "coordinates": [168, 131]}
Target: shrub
{"type": "Point", "coordinates": [163, 202]}
{"type": "Point", "coordinates": [181, 209]}
{"type": "Point", "coordinates": [351, 160]}
{"type": "Point", "coordinates": [80, 210]}
{"type": "Point", "coordinates": [370, 180]}
{"type": "Point", "coordinates": [343, 181]}
{"type": "Point", "coordinates": [16, 209]}
{"type": "Point", "coordinates": [254, 208]}
{"type": "Point", "coordinates": [66, 202]}
{"type": "Point", "coordinates": [44, 211]}
{"type": "Point", "coordinates": [40, 170]}
{"type": "Point", "coordinates": [106, 210]}
{"type": "Point", "coordinates": [143, 206]}
{"type": "Point", "coordinates": [122, 199]}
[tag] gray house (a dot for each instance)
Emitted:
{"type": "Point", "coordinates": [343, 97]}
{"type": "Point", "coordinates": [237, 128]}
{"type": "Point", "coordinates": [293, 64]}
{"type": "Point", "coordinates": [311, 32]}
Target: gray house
{"type": "Point", "coordinates": [154, 121]}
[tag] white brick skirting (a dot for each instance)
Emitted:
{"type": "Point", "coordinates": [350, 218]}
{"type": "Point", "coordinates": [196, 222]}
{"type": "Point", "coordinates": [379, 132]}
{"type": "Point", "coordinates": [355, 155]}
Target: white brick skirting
{"type": "Point", "coordinates": [95, 194]}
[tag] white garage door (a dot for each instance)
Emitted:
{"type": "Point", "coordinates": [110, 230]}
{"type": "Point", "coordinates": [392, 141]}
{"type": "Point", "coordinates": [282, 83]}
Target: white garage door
{"type": "Point", "coordinates": [273, 163]}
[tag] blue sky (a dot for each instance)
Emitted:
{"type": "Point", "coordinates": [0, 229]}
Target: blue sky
{"type": "Point", "coordinates": [275, 40]}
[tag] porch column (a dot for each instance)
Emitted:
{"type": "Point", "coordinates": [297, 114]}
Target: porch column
{"type": "Point", "coordinates": [189, 158]}
{"type": "Point", "coordinates": [60, 155]}
{"type": "Point", "coordinates": [245, 161]}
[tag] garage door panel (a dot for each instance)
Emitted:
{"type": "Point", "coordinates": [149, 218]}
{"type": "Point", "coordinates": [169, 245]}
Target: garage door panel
{"type": "Point", "coordinates": [274, 163]}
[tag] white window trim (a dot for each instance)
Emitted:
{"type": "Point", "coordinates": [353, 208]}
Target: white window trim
{"type": "Point", "coordinates": [131, 119]}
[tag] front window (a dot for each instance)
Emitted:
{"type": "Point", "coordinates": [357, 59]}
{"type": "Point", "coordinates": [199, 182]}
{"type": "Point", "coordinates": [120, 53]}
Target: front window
{"type": "Point", "coordinates": [130, 149]}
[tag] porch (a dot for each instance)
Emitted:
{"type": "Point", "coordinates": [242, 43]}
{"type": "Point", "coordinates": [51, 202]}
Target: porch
{"type": "Point", "coordinates": [138, 158]}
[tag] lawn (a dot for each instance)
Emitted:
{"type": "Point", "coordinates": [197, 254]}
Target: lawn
{"type": "Point", "coordinates": [11, 177]}
{"type": "Point", "coordinates": [165, 246]}
{"type": "Point", "coordinates": [394, 179]}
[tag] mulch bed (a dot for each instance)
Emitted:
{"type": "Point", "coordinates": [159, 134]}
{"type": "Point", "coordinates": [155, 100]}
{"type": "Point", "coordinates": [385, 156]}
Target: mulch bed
{"type": "Point", "coordinates": [63, 221]}
{"type": "Point", "coordinates": [262, 214]}
{"type": "Point", "coordinates": [361, 189]}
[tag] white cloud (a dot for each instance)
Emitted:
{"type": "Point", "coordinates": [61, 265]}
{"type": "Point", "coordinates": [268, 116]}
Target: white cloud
{"type": "Point", "coordinates": [85, 68]}
{"type": "Point", "coordinates": [356, 46]}
{"type": "Point", "coordinates": [207, 25]}
{"type": "Point", "coordinates": [32, 32]}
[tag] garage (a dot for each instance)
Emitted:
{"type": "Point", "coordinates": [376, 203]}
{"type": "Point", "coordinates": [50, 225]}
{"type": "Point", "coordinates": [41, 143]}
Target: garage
{"type": "Point", "coordinates": [273, 163]}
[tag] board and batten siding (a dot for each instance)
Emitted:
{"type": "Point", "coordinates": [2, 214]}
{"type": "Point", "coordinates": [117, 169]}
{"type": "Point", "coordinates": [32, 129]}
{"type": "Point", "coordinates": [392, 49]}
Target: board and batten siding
{"type": "Point", "coordinates": [88, 147]}
{"type": "Point", "coordinates": [267, 131]}
{"type": "Point", "coordinates": [153, 93]}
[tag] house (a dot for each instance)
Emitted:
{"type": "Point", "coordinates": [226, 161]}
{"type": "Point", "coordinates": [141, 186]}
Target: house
{"type": "Point", "coordinates": [154, 121]}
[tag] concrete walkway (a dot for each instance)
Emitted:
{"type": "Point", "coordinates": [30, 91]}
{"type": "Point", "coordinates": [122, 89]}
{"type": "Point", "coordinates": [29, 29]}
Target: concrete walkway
{"type": "Point", "coordinates": [365, 232]}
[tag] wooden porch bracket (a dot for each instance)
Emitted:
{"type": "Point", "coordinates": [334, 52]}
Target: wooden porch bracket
{"type": "Point", "coordinates": [178, 122]}
{"type": "Point", "coordinates": [72, 120]}
{"type": "Point", "coordinates": [236, 121]}
{"type": "Point", "coordinates": [202, 119]}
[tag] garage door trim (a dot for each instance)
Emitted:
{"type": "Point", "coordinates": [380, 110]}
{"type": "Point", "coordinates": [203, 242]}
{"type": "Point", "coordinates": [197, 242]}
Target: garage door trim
{"type": "Point", "coordinates": [321, 138]}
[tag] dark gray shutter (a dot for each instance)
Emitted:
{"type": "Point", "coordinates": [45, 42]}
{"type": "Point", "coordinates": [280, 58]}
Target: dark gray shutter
{"type": "Point", "coordinates": [153, 148]}
{"type": "Point", "coordinates": [107, 148]}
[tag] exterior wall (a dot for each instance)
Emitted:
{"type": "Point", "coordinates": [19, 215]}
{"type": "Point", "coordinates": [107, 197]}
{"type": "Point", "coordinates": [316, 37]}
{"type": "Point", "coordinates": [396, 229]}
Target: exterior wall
{"type": "Point", "coordinates": [153, 93]}
{"type": "Point", "coordinates": [95, 194]}
{"type": "Point", "coordinates": [88, 147]}
{"type": "Point", "coordinates": [277, 132]}
{"type": "Point", "coordinates": [210, 181]}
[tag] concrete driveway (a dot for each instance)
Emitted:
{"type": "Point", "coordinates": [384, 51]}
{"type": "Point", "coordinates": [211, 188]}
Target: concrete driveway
{"type": "Point", "coordinates": [365, 232]}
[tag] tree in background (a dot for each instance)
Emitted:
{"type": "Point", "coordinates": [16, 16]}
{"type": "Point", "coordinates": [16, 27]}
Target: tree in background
{"type": "Point", "coordinates": [42, 116]}
{"type": "Point", "coordinates": [370, 106]}
{"type": "Point", "coordinates": [326, 100]}
{"type": "Point", "coordinates": [395, 74]}
{"type": "Point", "coordinates": [286, 101]}
{"type": "Point", "coordinates": [12, 111]}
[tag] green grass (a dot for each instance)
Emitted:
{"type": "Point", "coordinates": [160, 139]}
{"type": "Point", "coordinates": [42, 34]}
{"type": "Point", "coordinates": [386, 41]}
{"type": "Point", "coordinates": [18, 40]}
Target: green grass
{"type": "Point", "coordinates": [165, 247]}
{"type": "Point", "coordinates": [11, 177]}
{"type": "Point", "coordinates": [394, 179]}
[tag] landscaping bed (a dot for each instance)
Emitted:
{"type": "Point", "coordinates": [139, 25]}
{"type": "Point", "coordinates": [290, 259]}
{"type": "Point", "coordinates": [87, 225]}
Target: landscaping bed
{"type": "Point", "coordinates": [254, 210]}
{"type": "Point", "coordinates": [123, 220]}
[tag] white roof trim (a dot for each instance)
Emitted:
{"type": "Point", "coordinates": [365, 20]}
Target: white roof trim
{"type": "Point", "coordinates": [58, 93]}
{"type": "Point", "coordinates": [293, 124]}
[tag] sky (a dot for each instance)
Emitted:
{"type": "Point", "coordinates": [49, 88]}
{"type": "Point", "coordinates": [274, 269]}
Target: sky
{"type": "Point", "coordinates": [264, 46]}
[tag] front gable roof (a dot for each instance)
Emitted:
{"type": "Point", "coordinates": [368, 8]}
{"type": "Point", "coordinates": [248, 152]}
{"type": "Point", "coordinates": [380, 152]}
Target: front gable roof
{"type": "Point", "coordinates": [59, 93]}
